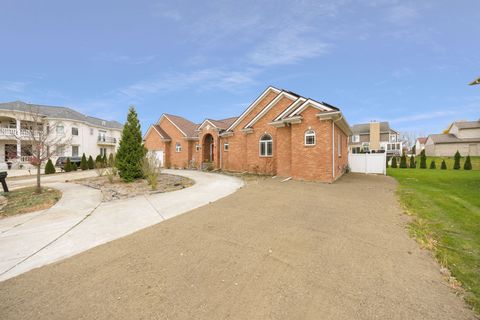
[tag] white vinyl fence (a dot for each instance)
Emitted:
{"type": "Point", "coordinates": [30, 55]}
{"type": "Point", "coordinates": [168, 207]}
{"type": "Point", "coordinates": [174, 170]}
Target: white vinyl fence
{"type": "Point", "coordinates": [368, 162]}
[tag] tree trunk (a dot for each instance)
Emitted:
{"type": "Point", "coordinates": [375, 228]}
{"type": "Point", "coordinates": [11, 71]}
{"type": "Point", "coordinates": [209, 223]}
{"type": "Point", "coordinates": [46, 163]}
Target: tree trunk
{"type": "Point", "coordinates": [39, 187]}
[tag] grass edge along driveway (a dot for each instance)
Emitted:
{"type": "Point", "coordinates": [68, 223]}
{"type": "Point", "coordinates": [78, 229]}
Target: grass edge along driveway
{"type": "Point", "coordinates": [445, 205]}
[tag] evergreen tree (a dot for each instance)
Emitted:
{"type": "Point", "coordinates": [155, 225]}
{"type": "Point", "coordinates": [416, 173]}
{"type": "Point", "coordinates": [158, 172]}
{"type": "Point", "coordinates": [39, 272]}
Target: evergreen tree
{"type": "Point", "coordinates": [403, 161]}
{"type": "Point", "coordinates": [104, 159]}
{"type": "Point", "coordinates": [444, 165]}
{"type": "Point", "coordinates": [433, 165]}
{"type": "Point", "coordinates": [414, 150]}
{"type": "Point", "coordinates": [49, 167]}
{"type": "Point", "coordinates": [98, 159]}
{"type": "Point", "coordinates": [131, 151]}
{"type": "Point", "coordinates": [74, 166]}
{"type": "Point", "coordinates": [91, 164]}
{"type": "Point", "coordinates": [83, 163]}
{"type": "Point", "coordinates": [387, 161]}
{"type": "Point", "coordinates": [394, 162]}
{"type": "Point", "coordinates": [423, 160]}
{"type": "Point", "coordinates": [468, 164]}
{"type": "Point", "coordinates": [412, 162]}
{"type": "Point", "coordinates": [457, 157]}
{"type": "Point", "coordinates": [68, 166]}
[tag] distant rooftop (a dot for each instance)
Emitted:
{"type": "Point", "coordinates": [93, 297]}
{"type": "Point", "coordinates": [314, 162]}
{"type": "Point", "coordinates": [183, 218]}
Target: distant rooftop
{"type": "Point", "coordinates": [365, 127]}
{"type": "Point", "coordinates": [59, 113]}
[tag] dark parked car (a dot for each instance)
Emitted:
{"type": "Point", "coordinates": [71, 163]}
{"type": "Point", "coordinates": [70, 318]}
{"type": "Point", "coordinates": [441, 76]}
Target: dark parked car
{"type": "Point", "coordinates": [62, 160]}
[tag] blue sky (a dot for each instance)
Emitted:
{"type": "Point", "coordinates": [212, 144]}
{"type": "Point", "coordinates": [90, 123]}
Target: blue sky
{"type": "Point", "coordinates": [408, 62]}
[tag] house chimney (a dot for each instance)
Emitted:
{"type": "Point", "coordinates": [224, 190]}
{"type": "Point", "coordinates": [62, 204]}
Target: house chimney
{"type": "Point", "coordinates": [374, 135]}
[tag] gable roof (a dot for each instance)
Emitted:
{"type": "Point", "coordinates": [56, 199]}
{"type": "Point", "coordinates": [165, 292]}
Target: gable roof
{"type": "Point", "coordinates": [55, 112]}
{"type": "Point", "coordinates": [186, 127]}
{"type": "Point", "coordinates": [283, 94]}
{"type": "Point", "coordinates": [422, 140]}
{"type": "Point", "coordinates": [467, 124]}
{"type": "Point", "coordinates": [450, 138]}
{"type": "Point", "coordinates": [364, 128]}
{"type": "Point", "coordinates": [252, 105]}
{"type": "Point", "coordinates": [219, 124]}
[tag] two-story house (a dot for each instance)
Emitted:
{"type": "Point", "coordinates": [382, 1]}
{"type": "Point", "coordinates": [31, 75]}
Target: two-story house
{"type": "Point", "coordinates": [375, 137]}
{"type": "Point", "coordinates": [73, 132]}
{"type": "Point", "coordinates": [463, 136]}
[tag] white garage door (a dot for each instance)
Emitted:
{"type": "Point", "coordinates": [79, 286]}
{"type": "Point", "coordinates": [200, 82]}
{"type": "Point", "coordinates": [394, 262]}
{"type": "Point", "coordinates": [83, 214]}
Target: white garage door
{"type": "Point", "coordinates": [159, 155]}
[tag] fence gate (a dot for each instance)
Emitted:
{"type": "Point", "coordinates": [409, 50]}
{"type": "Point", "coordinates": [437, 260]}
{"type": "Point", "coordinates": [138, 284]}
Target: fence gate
{"type": "Point", "coordinates": [368, 162]}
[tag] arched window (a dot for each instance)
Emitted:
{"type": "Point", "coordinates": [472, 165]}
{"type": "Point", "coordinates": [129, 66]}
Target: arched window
{"type": "Point", "coordinates": [266, 146]}
{"type": "Point", "coordinates": [310, 139]}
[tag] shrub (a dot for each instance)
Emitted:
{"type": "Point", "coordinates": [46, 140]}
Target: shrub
{"type": "Point", "coordinates": [443, 166]}
{"type": "Point", "coordinates": [99, 169]}
{"type": "Point", "coordinates": [49, 167]}
{"type": "Point", "coordinates": [388, 159]}
{"type": "Point", "coordinates": [68, 165]}
{"type": "Point", "coordinates": [74, 167]}
{"type": "Point", "coordinates": [412, 162]}
{"type": "Point", "coordinates": [403, 162]}
{"type": "Point", "coordinates": [104, 159]}
{"type": "Point", "coordinates": [433, 165]}
{"type": "Point", "coordinates": [423, 160]}
{"type": "Point", "coordinates": [90, 163]}
{"type": "Point", "coordinates": [98, 159]}
{"type": "Point", "coordinates": [151, 169]}
{"type": "Point", "coordinates": [394, 162]}
{"type": "Point", "coordinates": [83, 163]}
{"type": "Point", "coordinates": [457, 157]}
{"type": "Point", "coordinates": [111, 160]}
{"type": "Point", "coordinates": [111, 173]}
{"type": "Point", "coordinates": [468, 164]}
{"type": "Point", "coordinates": [131, 152]}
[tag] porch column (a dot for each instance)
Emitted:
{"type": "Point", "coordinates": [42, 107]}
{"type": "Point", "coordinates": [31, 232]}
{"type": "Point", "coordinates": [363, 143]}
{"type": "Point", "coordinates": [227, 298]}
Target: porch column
{"type": "Point", "coordinates": [19, 145]}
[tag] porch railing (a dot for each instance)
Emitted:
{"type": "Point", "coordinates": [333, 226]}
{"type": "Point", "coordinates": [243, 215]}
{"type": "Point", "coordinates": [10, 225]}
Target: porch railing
{"type": "Point", "coordinates": [26, 158]}
{"type": "Point", "coordinates": [25, 133]}
{"type": "Point", "coordinates": [8, 131]}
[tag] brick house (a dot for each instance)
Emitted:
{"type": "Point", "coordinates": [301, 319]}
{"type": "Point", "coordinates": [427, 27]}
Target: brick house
{"type": "Point", "coordinates": [280, 133]}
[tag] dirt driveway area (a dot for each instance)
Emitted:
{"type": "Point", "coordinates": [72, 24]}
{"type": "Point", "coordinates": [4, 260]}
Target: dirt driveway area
{"type": "Point", "coordinates": [272, 250]}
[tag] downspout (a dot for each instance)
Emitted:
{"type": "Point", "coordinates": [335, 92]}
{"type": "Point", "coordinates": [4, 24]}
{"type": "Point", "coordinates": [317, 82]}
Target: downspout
{"type": "Point", "coordinates": [333, 145]}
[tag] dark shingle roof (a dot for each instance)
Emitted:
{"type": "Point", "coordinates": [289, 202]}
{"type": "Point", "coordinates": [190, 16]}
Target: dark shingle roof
{"type": "Point", "coordinates": [365, 127]}
{"type": "Point", "coordinates": [162, 132]}
{"type": "Point", "coordinates": [59, 113]}
{"type": "Point", "coordinates": [422, 140]}
{"type": "Point", "coordinates": [223, 123]}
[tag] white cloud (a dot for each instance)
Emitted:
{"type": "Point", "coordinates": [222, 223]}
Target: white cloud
{"type": "Point", "coordinates": [199, 80]}
{"type": "Point", "coordinates": [287, 48]}
{"type": "Point", "coordinates": [13, 86]}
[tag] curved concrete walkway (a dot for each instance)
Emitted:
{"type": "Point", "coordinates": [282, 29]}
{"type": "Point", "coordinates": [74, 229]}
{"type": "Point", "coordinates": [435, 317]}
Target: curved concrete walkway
{"type": "Point", "coordinates": [80, 221]}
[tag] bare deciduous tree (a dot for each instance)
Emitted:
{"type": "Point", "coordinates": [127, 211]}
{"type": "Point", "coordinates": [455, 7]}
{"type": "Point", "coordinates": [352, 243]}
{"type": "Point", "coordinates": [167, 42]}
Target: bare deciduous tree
{"type": "Point", "coordinates": [45, 137]}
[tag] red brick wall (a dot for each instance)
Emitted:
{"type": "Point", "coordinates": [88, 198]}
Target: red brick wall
{"type": "Point", "coordinates": [241, 152]}
{"type": "Point", "coordinates": [153, 141]}
{"type": "Point", "coordinates": [175, 159]}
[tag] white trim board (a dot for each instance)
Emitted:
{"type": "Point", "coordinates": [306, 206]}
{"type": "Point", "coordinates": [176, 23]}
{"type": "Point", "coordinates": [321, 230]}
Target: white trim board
{"type": "Point", "coordinates": [269, 106]}
{"type": "Point", "coordinates": [253, 105]}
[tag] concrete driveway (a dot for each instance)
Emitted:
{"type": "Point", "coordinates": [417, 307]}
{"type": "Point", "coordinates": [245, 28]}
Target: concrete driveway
{"type": "Point", "coordinates": [80, 221]}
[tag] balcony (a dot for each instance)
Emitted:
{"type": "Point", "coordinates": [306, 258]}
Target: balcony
{"type": "Point", "coordinates": [9, 133]}
{"type": "Point", "coordinates": [103, 140]}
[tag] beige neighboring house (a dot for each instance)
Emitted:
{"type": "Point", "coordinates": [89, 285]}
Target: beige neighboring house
{"type": "Point", "coordinates": [420, 145]}
{"type": "Point", "coordinates": [463, 136]}
{"type": "Point", "coordinates": [375, 137]}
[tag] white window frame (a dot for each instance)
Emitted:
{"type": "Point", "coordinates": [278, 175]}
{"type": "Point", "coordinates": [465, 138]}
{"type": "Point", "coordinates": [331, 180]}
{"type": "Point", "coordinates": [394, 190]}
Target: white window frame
{"type": "Point", "coordinates": [265, 142]}
{"type": "Point", "coordinates": [78, 150]}
{"type": "Point", "coordinates": [75, 128]}
{"type": "Point", "coordinates": [366, 147]}
{"type": "Point", "coordinates": [356, 138]}
{"type": "Point", "coordinates": [309, 133]}
{"type": "Point", "coordinates": [60, 129]}
{"type": "Point", "coordinates": [225, 146]}
{"type": "Point", "coordinates": [178, 147]}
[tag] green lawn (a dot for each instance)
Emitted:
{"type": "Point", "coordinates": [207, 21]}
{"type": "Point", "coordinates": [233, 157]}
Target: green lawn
{"type": "Point", "coordinates": [446, 209]}
{"type": "Point", "coordinates": [25, 200]}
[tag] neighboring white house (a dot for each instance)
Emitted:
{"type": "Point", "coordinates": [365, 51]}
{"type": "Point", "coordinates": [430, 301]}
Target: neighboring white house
{"type": "Point", "coordinates": [463, 136]}
{"type": "Point", "coordinates": [420, 145]}
{"type": "Point", "coordinates": [82, 134]}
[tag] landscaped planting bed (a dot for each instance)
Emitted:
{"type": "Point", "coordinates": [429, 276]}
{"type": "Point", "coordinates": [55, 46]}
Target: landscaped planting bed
{"type": "Point", "coordinates": [118, 189]}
